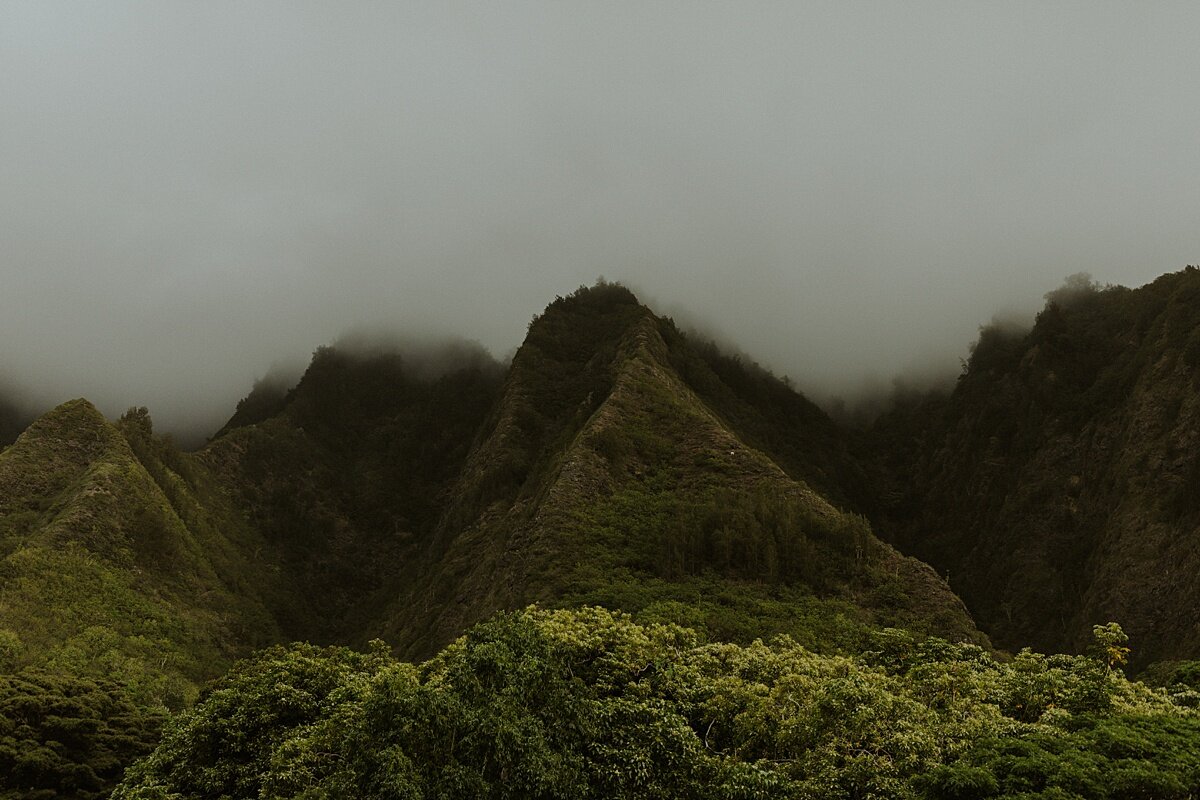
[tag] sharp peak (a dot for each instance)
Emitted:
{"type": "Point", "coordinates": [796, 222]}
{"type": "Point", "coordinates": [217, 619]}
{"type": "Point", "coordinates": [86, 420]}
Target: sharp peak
{"type": "Point", "coordinates": [604, 312]}
{"type": "Point", "coordinates": [599, 298]}
{"type": "Point", "coordinates": [601, 293]}
{"type": "Point", "coordinates": [76, 427]}
{"type": "Point", "coordinates": [79, 410]}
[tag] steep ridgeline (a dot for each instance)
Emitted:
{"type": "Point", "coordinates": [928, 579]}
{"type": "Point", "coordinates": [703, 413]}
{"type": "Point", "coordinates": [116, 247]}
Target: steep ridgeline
{"type": "Point", "coordinates": [119, 559]}
{"type": "Point", "coordinates": [621, 467]}
{"type": "Point", "coordinates": [347, 474]}
{"type": "Point", "coordinates": [1059, 484]}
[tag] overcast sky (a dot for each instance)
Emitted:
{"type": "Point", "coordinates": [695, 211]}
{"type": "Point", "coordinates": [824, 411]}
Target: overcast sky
{"type": "Point", "coordinates": [192, 191]}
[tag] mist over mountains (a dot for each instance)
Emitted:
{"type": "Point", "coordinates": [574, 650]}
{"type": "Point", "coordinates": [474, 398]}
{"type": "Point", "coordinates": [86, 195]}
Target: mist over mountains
{"type": "Point", "coordinates": [383, 434]}
{"type": "Point", "coordinates": [856, 396]}
{"type": "Point", "coordinates": [846, 194]}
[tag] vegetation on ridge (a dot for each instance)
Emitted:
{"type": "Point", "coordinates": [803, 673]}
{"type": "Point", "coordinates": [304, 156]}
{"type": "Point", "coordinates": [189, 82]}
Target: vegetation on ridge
{"type": "Point", "coordinates": [124, 585]}
{"type": "Point", "coordinates": [603, 477]}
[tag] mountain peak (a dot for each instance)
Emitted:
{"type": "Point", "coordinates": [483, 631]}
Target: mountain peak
{"type": "Point", "coordinates": [619, 467]}
{"type": "Point", "coordinates": [602, 295]}
{"type": "Point", "coordinates": [58, 444]}
{"type": "Point", "coordinates": [73, 416]}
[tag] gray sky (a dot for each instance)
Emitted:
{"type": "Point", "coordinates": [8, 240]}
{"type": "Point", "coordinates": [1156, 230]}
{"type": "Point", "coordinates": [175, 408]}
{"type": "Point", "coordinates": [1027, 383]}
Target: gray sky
{"type": "Point", "coordinates": [191, 191]}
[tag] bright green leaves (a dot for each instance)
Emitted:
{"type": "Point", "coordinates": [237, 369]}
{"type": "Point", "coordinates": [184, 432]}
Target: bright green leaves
{"type": "Point", "coordinates": [243, 734]}
{"type": "Point", "coordinates": [1109, 645]}
{"type": "Point", "coordinates": [589, 704]}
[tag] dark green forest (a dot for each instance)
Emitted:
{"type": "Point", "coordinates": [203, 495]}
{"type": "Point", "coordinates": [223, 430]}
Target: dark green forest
{"type": "Point", "coordinates": [627, 564]}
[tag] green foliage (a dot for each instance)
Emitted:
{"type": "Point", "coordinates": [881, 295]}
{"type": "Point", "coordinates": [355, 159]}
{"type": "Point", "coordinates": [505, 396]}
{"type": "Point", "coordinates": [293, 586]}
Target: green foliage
{"type": "Point", "coordinates": [1108, 645]}
{"type": "Point", "coordinates": [624, 466]}
{"type": "Point", "coordinates": [767, 413]}
{"type": "Point", "coordinates": [63, 736]}
{"type": "Point", "coordinates": [621, 464]}
{"type": "Point", "coordinates": [558, 378]}
{"type": "Point", "coordinates": [1186, 673]}
{"type": "Point", "coordinates": [267, 398]}
{"type": "Point", "coordinates": [349, 478]}
{"type": "Point", "coordinates": [589, 704]}
{"type": "Point", "coordinates": [119, 560]}
{"type": "Point", "coordinates": [231, 740]}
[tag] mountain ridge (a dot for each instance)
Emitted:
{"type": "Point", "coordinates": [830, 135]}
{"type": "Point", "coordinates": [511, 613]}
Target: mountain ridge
{"type": "Point", "coordinates": [1058, 482]}
{"type": "Point", "coordinates": [101, 565]}
{"type": "Point", "coordinates": [373, 476]}
{"type": "Point", "coordinates": [615, 460]}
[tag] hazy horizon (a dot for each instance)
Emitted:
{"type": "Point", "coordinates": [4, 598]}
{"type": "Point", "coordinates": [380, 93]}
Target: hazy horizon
{"type": "Point", "coordinates": [845, 192]}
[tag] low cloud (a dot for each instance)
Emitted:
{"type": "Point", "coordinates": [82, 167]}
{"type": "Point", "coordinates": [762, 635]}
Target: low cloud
{"type": "Point", "coordinates": [191, 193]}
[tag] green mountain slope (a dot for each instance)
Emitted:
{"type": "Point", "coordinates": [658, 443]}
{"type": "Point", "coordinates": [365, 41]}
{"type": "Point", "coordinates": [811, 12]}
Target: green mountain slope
{"type": "Point", "coordinates": [603, 477]}
{"type": "Point", "coordinates": [127, 581]}
{"type": "Point", "coordinates": [119, 558]}
{"type": "Point", "coordinates": [1059, 485]}
{"type": "Point", "coordinates": [346, 476]}
{"type": "Point", "coordinates": [615, 462]}
{"type": "Point", "coordinates": [619, 463]}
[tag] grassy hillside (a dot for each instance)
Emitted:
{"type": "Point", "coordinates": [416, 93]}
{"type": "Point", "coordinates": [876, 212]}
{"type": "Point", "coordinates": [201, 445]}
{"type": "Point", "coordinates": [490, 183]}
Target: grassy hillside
{"type": "Point", "coordinates": [126, 582]}
{"type": "Point", "coordinates": [1059, 485]}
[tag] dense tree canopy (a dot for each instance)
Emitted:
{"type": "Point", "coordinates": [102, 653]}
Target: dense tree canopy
{"type": "Point", "coordinates": [64, 736]}
{"type": "Point", "coordinates": [577, 704]}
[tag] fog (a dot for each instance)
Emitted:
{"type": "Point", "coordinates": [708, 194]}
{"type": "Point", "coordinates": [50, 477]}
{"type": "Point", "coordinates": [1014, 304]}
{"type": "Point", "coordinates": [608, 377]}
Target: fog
{"type": "Point", "coordinates": [424, 357]}
{"type": "Point", "coordinates": [191, 193]}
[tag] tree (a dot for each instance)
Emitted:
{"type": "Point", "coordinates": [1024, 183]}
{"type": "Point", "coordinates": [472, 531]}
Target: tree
{"type": "Point", "coordinates": [1108, 645]}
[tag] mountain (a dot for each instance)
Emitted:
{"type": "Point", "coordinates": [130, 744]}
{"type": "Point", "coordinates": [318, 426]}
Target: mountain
{"type": "Point", "coordinates": [615, 462]}
{"type": "Point", "coordinates": [1058, 485]}
{"type": "Point", "coordinates": [624, 466]}
{"type": "Point", "coordinates": [126, 582]}
{"type": "Point", "coordinates": [119, 554]}
{"type": "Point", "coordinates": [409, 494]}
{"type": "Point", "coordinates": [347, 474]}
{"type": "Point", "coordinates": [619, 461]}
